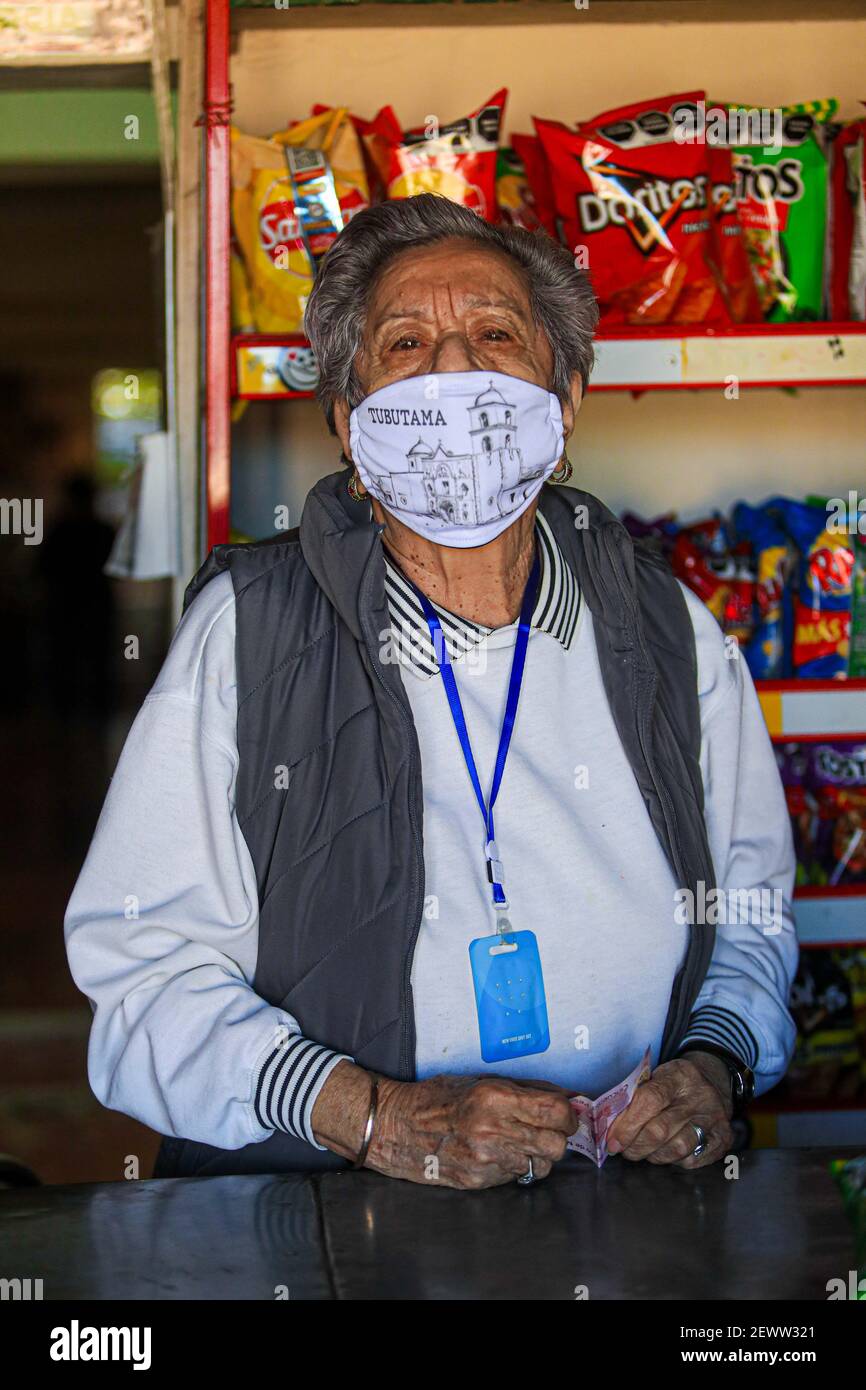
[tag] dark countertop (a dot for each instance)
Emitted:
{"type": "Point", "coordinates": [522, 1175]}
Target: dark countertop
{"type": "Point", "coordinates": [632, 1231]}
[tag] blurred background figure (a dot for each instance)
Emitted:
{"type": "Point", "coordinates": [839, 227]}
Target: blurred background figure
{"type": "Point", "coordinates": [79, 604]}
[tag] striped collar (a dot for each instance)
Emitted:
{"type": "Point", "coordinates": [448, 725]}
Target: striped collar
{"type": "Point", "coordinates": [556, 610]}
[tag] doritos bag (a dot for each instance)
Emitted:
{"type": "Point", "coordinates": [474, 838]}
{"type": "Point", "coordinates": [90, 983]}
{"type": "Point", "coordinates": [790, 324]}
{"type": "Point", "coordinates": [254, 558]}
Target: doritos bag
{"type": "Point", "coordinates": [457, 161]}
{"type": "Point", "coordinates": [638, 201]}
{"type": "Point", "coordinates": [727, 250]}
{"type": "Point", "coordinates": [782, 205]}
{"type": "Point", "coordinates": [530, 153]}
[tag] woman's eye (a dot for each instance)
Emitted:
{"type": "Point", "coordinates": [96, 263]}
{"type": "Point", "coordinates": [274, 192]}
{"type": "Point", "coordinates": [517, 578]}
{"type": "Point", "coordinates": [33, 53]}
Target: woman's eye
{"type": "Point", "coordinates": [406, 343]}
{"type": "Point", "coordinates": [496, 335]}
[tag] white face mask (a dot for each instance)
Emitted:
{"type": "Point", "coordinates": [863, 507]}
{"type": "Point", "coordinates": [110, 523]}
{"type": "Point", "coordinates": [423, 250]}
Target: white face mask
{"type": "Point", "coordinates": [457, 456]}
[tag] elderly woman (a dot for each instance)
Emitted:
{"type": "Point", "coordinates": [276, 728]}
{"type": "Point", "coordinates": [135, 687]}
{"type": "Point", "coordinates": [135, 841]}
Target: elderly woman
{"type": "Point", "coordinates": [413, 837]}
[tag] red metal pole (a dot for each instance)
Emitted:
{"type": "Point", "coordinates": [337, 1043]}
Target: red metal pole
{"type": "Point", "coordinates": [216, 118]}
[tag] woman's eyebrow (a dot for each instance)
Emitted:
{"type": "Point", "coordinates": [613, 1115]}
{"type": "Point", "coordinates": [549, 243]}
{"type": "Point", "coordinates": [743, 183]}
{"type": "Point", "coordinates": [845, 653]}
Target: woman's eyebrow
{"type": "Point", "coordinates": [481, 302]}
{"type": "Point", "coordinates": [412, 313]}
{"type": "Point", "coordinates": [472, 301]}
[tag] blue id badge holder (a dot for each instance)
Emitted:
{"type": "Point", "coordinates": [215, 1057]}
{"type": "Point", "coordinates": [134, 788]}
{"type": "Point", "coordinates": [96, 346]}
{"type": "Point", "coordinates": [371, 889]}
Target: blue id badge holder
{"type": "Point", "coordinates": [509, 994]}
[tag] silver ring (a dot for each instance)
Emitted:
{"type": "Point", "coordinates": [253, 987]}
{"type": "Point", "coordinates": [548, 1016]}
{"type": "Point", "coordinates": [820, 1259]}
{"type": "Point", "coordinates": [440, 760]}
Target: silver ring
{"type": "Point", "coordinates": [529, 1176]}
{"type": "Point", "coordinates": [702, 1141]}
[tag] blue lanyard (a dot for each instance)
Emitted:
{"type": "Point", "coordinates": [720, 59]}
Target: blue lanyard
{"type": "Point", "coordinates": [446, 671]}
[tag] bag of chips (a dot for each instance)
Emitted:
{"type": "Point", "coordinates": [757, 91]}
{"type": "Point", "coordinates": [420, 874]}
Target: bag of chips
{"type": "Point", "coordinates": [781, 193]}
{"type": "Point", "coordinates": [370, 142]}
{"type": "Point", "coordinates": [765, 653]}
{"type": "Point", "coordinates": [721, 575]}
{"type": "Point", "coordinates": [457, 161]}
{"type": "Point", "coordinates": [529, 151]}
{"type": "Point", "coordinates": [822, 606]}
{"type": "Point", "coordinates": [635, 200]}
{"type": "Point", "coordinates": [243, 319]}
{"type": "Point", "coordinates": [515, 200]}
{"type": "Point", "coordinates": [837, 778]}
{"type": "Point", "coordinates": [846, 277]}
{"type": "Point", "coordinates": [332, 133]}
{"type": "Point", "coordinates": [728, 251]}
{"type": "Point", "coordinates": [266, 228]}
{"type": "Point", "coordinates": [826, 1059]}
{"type": "Point", "coordinates": [793, 761]}
{"type": "Point", "coordinates": [290, 197]}
{"type": "Point", "coordinates": [857, 657]}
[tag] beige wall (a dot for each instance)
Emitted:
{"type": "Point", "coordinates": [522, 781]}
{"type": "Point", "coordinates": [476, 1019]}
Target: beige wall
{"type": "Point", "coordinates": [692, 450]}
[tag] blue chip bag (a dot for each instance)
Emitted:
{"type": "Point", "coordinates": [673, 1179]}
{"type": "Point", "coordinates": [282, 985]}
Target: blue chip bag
{"type": "Point", "coordinates": [822, 606]}
{"type": "Point", "coordinates": [765, 653]}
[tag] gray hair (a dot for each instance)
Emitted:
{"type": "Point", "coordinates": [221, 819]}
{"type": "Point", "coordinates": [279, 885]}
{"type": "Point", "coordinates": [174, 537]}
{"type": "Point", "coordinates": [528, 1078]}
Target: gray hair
{"type": "Point", "coordinates": [561, 296]}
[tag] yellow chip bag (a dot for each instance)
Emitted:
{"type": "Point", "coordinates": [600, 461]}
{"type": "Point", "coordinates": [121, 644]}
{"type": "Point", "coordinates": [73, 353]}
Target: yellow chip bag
{"type": "Point", "coordinates": [267, 230]}
{"type": "Point", "coordinates": [243, 319]}
{"type": "Point", "coordinates": [333, 134]}
{"type": "Point", "coordinates": [283, 219]}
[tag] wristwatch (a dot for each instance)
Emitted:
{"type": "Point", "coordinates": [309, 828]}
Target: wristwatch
{"type": "Point", "coordinates": [742, 1077]}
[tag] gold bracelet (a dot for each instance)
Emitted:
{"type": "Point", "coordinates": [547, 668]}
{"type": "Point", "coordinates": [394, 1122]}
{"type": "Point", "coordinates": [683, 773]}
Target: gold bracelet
{"type": "Point", "coordinates": [368, 1129]}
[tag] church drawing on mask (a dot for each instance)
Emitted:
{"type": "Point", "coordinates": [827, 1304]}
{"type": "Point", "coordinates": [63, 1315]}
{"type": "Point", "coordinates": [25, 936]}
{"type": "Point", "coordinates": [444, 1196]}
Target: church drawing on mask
{"type": "Point", "coordinates": [466, 489]}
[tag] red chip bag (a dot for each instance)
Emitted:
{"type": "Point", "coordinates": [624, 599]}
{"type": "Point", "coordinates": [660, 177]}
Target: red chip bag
{"type": "Point", "coordinates": [846, 261]}
{"type": "Point", "coordinates": [457, 161]}
{"type": "Point", "coordinates": [638, 201]}
{"type": "Point", "coordinates": [727, 251]}
{"type": "Point", "coordinates": [529, 151]}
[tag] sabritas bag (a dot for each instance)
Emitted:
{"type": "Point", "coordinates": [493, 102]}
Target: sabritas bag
{"type": "Point", "coordinates": [278, 273]}
{"type": "Point", "coordinates": [457, 161]}
{"type": "Point", "coordinates": [781, 195]}
{"type": "Point", "coordinates": [283, 221]}
{"type": "Point", "coordinates": [637, 200]}
{"type": "Point", "coordinates": [333, 133]}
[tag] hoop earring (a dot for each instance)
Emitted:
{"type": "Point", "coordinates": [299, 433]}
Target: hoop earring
{"type": "Point", "coordinates": [563, 471]}
{"type": "Point", "coordinates": [352, 487]}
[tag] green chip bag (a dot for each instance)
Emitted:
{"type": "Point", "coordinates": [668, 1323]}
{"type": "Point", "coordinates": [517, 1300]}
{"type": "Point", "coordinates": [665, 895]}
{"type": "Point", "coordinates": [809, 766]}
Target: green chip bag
{"type": "Point", "coordinates": [781, 191]}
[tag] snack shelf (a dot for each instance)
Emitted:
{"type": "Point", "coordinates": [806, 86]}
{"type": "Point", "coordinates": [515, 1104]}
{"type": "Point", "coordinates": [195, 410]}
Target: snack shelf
{"type": "Point", "coordinates": [808, 711]}
{"type": "Point", "coordinates": [831, 916]}
{"type": "Point", "coordinates": [750, 355]}
{"type": "Point", "coordinates": [822, 354]}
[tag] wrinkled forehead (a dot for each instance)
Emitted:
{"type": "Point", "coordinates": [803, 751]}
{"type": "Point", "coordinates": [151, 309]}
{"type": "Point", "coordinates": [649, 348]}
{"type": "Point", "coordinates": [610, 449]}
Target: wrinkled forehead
{"type": "Point", "coordinates": [471, 274]}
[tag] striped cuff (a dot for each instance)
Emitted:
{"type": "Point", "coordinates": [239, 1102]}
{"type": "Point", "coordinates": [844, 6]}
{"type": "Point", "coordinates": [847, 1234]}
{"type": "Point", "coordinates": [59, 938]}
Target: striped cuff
{"type": "Point", "coordinates": [712, 1024]}
{"type": "Point", "coordinates": [288, 1084]}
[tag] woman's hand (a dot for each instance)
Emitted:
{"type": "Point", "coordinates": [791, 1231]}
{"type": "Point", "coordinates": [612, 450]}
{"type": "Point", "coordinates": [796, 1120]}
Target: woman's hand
{"type": "Point", "coordinates": [659, 1123]}
{"type": "Point", "coordinates": [456, 1131]}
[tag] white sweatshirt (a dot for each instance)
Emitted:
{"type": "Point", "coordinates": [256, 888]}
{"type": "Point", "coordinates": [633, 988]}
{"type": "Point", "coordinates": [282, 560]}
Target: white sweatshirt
{"type": "Point", "coordinates": [162, 924]}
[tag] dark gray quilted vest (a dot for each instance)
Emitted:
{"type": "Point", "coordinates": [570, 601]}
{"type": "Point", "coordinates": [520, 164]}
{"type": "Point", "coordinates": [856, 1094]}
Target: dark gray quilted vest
{"type": "Point", "coordinates": [339, 855]}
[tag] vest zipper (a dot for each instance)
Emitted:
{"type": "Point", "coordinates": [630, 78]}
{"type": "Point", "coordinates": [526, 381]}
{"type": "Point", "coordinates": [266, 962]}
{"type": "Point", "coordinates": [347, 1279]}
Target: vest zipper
{"type": "Point", "coordinates": [407, 1033]}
